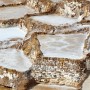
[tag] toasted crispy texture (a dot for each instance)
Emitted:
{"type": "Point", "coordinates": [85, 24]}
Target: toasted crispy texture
{"type": "Point", "coordinates": [40, 5]}
{"type": "Point", "coordinates": [31, 47]}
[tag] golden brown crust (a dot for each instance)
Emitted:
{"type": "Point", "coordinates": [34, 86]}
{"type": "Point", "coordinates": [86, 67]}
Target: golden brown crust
{"type": "Point", "coordinates": [40, 5]}
{"type": "Point", "coordinates": [14, 79]}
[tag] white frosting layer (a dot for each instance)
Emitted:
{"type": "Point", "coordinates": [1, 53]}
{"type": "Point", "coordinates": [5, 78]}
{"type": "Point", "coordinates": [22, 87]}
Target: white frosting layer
{"type": "Point", "coordinates": [79, 26]}
{"type": "Point", "coordinates": [62, 46]}
{"type": "Point", "coordinates": [7, 2]}
{"type": "Point", "coordinates": [15, 12]}
{"type": "Point", "coordinates": [55, 20]}
{"type": "Point", "coordinates": [14, 59]}
{"type": "Point", "coordinates": [11, 32]}
{"type": "Point", "coordinates": [56, 1]}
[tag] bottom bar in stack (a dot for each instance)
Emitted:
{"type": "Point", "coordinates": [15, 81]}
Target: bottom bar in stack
{"type": "Point", "coordinates": [63, 61]}
{"type": "Point", "coordinates": [15, 69]}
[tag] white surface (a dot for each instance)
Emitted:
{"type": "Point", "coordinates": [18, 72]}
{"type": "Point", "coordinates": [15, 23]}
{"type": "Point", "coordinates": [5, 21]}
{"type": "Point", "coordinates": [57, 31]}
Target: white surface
{"type": "Point", "coordinates": [11, 32]}
{"type": "Point", "coordinates": [54, 19]}
{"type": "Point", "coordinates": [79, 26]}
{"type": "Point", "coordinates": [88, 18]}
{"type": "Point", "coordinates": [10, 43]}
{"type": "Point", "coordinates": [63, 86]}
{"type": "Point", "coordinates": [56, 1]}
{"type": "Point", "coordinates": [86, 84]}
{"type": "Point", "coordinates": [7, 2]}
{"type": "Point", "coordinates": [14, 59]}
{"type": "Point", "coordinates": [52, 87]}
{"type": "Point", "coordinates": [63, 46]}
{"type": "Point", "coordinates": [15, 12]}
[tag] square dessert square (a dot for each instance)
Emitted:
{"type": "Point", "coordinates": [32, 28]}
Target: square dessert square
{"type": "Point", "coordinates": [54, 24]}
{"type": "Point", "coordinates": [15, 69]}
{"type": "Point", "coordinates": [63, 60]}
